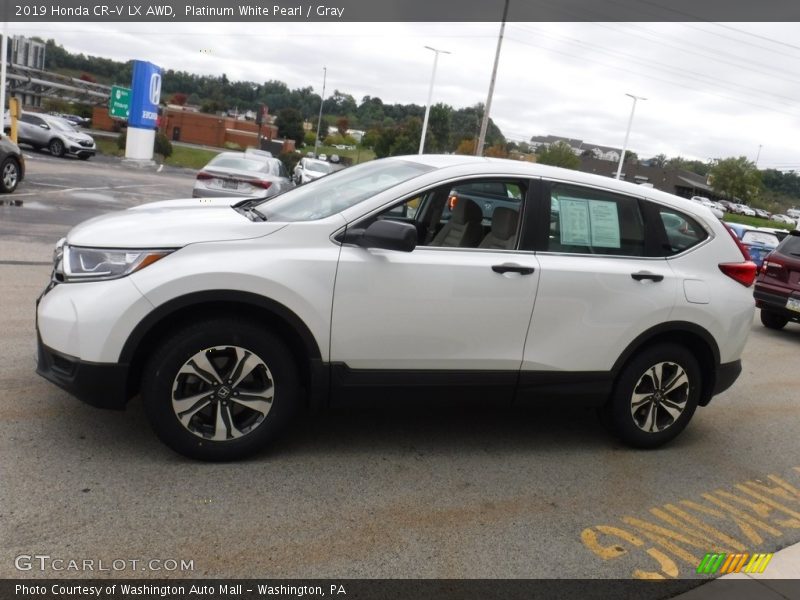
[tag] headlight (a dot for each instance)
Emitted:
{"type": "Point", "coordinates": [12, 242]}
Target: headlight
{"type": "Point", "coordinates": [75, 263]}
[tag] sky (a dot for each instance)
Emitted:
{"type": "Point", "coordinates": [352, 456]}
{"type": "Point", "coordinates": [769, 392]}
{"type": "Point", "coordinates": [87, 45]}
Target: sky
{"type": "Point", "coordinates": [713, 90]}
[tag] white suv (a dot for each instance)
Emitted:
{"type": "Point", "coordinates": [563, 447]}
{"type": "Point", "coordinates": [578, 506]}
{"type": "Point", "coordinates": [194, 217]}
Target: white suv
{"type": "Point", "coordinates": [416, 274]}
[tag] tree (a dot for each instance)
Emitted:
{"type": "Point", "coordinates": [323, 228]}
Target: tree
{"type": "Point", "coordinates": [496, 151]}
{"type": "Point", "coordinates": [290, 124]}
{"type": "Point", "coordinates": [178, 98]}
{"type": "Point", "coordinates": [559, 154]}
{"type": "Point", "coordinates": [342, 125]}
{"type": "Point", "coordinates": [736, 178]}
{"type": "Point", "coordinates": [631, 157]}
{"type": "Point", "coordinates": [659, 160]}
{"type": "Point", "coordinates": [466, 147]}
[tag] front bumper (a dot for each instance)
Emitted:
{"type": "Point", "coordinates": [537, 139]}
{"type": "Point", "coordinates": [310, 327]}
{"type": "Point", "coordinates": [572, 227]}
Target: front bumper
{"type": "Point", "coordinates": [98, 384]}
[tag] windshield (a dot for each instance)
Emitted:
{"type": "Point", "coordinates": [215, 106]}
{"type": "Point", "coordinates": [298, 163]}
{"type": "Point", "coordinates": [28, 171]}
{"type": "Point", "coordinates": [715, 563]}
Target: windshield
{"type": "Point", "coordinates": [62, 125]}
{"type": "Point", "coordinates": [339, 191]}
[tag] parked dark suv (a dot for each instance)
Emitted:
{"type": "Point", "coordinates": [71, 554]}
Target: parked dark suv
{"type": "Point", "coordinates": [777, 290]}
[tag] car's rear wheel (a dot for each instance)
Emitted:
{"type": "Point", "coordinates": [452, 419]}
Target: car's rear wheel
{"type": "Point", "coordinates": [655, 396]}
{"type": "Point", "coordinates": [220, 389]}
{"type": "Point", "coordinates": [9, 175]}
{"type": "Point", "coordinates": [56, 147]}
{"type": "Point", "coordinates": [772, 320]}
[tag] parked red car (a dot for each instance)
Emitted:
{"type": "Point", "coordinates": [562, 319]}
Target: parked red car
{"type": "Point", "coordinates": [777, 290]}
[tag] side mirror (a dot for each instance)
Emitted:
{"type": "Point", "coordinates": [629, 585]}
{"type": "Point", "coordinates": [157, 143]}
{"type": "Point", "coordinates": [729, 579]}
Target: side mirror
{"type": "Point", "coordinates": [385, 234]}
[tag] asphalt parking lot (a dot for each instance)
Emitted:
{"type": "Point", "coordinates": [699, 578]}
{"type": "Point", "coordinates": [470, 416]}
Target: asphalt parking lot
{"type": "Point", "coordinates": [372, 492]}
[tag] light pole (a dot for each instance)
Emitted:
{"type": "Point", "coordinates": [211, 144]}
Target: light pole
{"type": "Point", "coordinates": [627, 133]}
{"type": "Point", "coordinates": [758, 155]}
{"type": "Point", "coordinates": [430, 95]}
{"type": "Point", "coordinates": [321, 102]}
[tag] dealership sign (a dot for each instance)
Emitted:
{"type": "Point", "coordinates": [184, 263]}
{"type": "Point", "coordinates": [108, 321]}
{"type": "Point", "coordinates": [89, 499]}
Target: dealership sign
{"type": "Point", "coordinates": [145, 95]}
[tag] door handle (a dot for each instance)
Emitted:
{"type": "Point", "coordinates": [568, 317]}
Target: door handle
{"type": "Point", "coordinates": [511, 268]}
{"type": "Point", "coordinates": [641, 275]}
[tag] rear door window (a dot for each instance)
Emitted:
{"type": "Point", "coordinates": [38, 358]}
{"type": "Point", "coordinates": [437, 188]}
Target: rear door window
{"type": "Point", "coordinates": [590, 221]}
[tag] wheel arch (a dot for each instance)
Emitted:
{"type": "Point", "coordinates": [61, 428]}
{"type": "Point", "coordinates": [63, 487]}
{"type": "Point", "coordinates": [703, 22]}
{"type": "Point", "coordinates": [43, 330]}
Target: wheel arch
{"type": "Point", "coordinates": [172, 315]}
{"type": "Point", "coordinates": [689, 335]}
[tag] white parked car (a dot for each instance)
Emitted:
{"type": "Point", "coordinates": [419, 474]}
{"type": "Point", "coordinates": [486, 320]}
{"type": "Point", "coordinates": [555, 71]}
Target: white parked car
{"type": "Point", "coordinates": [310, 169]}
{"type": "Point", "coordinates": [424, 274]}
{"type": "Point", "coordinates": [783, 219]}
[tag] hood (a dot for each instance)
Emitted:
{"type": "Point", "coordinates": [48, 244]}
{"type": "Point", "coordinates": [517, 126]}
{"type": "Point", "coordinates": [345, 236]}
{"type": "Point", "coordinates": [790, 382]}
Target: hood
{"type": "Point", "coordinates": [170, 224]}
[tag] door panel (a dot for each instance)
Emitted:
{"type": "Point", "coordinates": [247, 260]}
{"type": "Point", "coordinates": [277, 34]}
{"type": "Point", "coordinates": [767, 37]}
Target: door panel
{"type": "Point", "coordinates": [433, 308]}
{"type": "Point", "coordinates": [589, 308]}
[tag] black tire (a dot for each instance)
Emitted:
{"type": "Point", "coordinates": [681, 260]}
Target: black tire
{"type": "Point", "coordinates": [170, 385]}
{"type": "Point", "coordinates": [645, 426]}
{"type": "Point", "coordinates": [9, 175]}
{"type": "Point", "coordinates": [56, 147]}
{"type": "Point", "coordinates": [772, 320]}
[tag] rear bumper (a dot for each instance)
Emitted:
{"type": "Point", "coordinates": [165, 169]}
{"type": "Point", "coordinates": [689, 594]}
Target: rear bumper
{"type": "Point", "coordinates": [774, 300]}
{"type": "Point", "coordinates": [98, 384]}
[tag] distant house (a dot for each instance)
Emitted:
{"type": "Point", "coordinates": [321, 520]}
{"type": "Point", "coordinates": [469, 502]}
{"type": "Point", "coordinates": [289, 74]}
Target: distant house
{"type": "Point", "coordinates": [579, 147]}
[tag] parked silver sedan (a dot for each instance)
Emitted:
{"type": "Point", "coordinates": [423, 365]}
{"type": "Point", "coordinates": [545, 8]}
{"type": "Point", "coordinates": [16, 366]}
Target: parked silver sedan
{"type": "Point", "coordinates": [239, 174]}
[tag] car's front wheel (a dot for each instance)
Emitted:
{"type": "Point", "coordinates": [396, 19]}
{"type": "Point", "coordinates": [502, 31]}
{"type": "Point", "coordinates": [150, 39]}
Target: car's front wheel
{"type": "Point", "coordinates": [772, 320]}
{"type": "Point", "coordinates": [220, 389]}
{"type": "Point", "coordinates": [9, 175]}
{"type": "Point", "coordinates": [56, 147]}
{"type": "Point", "coordinates": [655, 396]}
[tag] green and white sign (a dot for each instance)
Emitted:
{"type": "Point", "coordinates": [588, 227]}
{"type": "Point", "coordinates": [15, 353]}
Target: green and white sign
{"type": "Point", "coordinates": [119, 104]}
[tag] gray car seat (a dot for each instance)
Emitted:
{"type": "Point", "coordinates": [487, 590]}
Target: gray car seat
{"type": "Point", "coordinates": [503, 235]}
{"type": "Point", "coordinates": [464, 229]}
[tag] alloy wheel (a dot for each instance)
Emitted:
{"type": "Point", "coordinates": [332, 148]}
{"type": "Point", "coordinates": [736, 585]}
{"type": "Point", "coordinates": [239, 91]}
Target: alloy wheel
{"type": "Point", "coordinates": [659, 397]}
{"type": "Point", "coordinates": [223, 393]}
{"type": "Point", "coordinates": [10, 175]}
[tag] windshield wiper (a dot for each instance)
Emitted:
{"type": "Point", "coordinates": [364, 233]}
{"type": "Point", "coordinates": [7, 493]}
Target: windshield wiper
{"type": "Point", "coordinates": [253, 214]}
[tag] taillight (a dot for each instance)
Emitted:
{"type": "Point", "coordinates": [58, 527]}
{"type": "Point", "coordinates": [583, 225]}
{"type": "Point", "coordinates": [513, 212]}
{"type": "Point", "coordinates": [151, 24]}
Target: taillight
{"type": "Point", "coordinates": [202, 175]}
{"type": "Point", "coordinates": [774, 267]}
{"type": "Point", "coordinates": [261, 184]}
{"type": "Point", "coordinates": [742, 272]}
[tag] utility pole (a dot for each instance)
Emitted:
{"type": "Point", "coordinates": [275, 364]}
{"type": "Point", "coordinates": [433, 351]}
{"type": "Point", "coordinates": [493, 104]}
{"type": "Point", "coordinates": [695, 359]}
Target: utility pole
{"type": "Point", "coordinates": [430, 96]}
{"type": "Point", "coordinates": [3, 59]}
{"type": "Point", "coordinates": [627, 134]}
{"type": "Point", "coordinates": [758, 155]}
{"type": "Point", "coordinates": [321, 102]}
{"type": "Point", "coordinates": [488, 107]}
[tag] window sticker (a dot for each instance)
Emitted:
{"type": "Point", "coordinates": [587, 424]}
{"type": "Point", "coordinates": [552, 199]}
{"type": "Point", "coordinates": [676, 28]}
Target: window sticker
{"type": "Point", "coordinates": [604, 222]}
{"type": "Point", "coordinates": [589, 223]}
{"type": "Point", "coordinates": [574, 217]}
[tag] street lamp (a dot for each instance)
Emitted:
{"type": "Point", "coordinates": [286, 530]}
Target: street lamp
{"type": "Point", "coordinates": [430, 95]}
{"type": "Point", "coordinates": [627, 133]}
{"type": "Point", "coordinates": [321, 102]}
{"type": "Point", "coordinates": [758, 155]}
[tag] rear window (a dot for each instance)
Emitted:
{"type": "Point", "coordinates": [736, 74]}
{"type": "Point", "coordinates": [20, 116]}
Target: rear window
{"type": "Point", "coordinates": [790, 246]}
{"type": "Point", "coordinates": [760, 237]}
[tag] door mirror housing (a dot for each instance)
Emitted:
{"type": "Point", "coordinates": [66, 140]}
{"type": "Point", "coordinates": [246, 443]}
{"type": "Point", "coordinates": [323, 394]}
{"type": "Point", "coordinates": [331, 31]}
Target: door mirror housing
{"type": "Point", "coordinates": [385, 234]}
